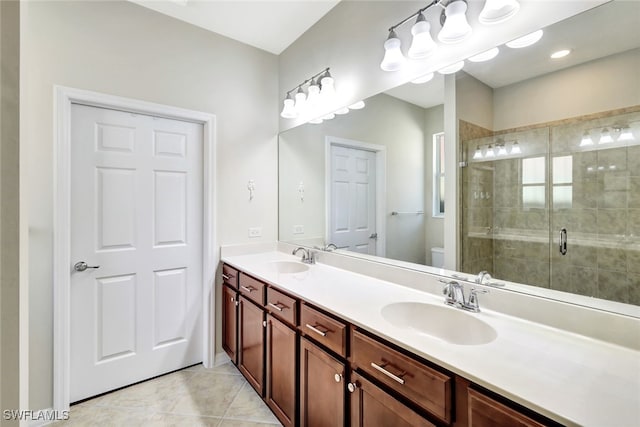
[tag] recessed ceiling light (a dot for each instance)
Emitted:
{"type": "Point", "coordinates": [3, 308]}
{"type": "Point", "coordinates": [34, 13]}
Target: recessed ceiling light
{"type": "Point", "coordinates": [560, 54]}
{"type": "Point", "coordinates": [525, 41]}
{"type": "Point", "coordinates": [485, 56]}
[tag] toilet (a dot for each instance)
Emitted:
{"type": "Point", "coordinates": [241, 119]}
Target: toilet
{"type": "Point", "coordinates": [437, 257]}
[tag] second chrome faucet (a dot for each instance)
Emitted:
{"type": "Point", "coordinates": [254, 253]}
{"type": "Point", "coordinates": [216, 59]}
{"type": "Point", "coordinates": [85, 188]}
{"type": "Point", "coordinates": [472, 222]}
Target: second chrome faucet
{"type": "Point", "coordinates": [454, 296]}
{"type": "Point", "coordinates": [308, 256]}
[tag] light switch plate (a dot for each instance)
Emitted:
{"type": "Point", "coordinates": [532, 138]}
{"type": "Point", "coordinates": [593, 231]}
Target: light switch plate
{"type": "Point", "coordinates": [298, 229]}
{"type": "Point", "coordinates": [255, 231]}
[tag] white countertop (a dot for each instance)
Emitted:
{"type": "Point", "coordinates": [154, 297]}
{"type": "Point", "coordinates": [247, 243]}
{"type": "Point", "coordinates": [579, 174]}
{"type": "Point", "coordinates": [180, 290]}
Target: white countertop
{"type": "Point", "coordinates": [569, 378]}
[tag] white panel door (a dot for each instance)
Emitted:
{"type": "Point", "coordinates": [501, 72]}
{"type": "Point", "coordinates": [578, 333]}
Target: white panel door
{"type": "Point", "coordinates": [353, 199]}
{"type": "Point", "coordinates": [136, 212]}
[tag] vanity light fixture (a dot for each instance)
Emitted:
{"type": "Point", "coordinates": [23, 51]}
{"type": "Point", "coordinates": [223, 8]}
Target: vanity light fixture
{"type": "Point", "coordinates": [423, 79]}
{"type": "Point", "coordinates": [625, 133]}
{"type": "Point", "coordinates": [497, 11]}
{"type": "Point", "coordinates": [485, 56]}
{"type": "Point", "coordinates": [455, 29]}
{"type": "Point", "coordinates": [605, 137]}
{"type": "Point", "coordinates": [478, 154]}
{"type": "Point", "coordinates": [320, 90]}
{"type": "Point", "coordinates": [490, 153]}
{"type": "Point", "coordinates": [525, 41]}
{"type": "Point", "coordinates": [502, 150]}
{"type": "Point", "coordinates": [515, 148]}
{"type": "Point", "coordinates": [560, 53]}
{"type": "Point", "coordinates": [586, 139]}
{"type": "Point", "coordinates": [453, 68]}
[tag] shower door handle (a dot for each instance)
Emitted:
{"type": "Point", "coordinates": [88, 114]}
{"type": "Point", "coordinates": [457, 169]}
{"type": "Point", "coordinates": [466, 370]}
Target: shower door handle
{"type": "Point", "coordinates": [563, 241]}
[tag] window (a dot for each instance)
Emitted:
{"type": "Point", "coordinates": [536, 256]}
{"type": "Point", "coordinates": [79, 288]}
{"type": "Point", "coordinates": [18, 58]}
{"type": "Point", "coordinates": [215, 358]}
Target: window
{"type": "Point", "coordinates": [533, 183]}
{"type": "Point", "coordinates": [562, 182]}
{"type": "Point", "coordinates": [438, 175]}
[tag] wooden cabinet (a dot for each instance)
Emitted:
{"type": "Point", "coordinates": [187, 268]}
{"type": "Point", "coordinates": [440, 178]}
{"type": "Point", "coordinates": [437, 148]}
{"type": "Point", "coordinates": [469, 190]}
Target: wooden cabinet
{"type": "Point", "coordinates": [230, 276]}
{"type": "Point", "coordinates": [230, 322]}
{"type": "Point", "coordinates": [426, 387]}
{"type": "Point", "coordinates": [281, 369]}
{"type": "Point", "coordinates": [326, 330]}
{"type": "Point", "coordinates": [322, 388]}
{"type": "Point", "coordinates": [370, 406]}
{"type": "Point", "coordinates": [252, 289]}
{"type": "Point", "coordinates": [251, 322]}
{"type": "Point", "coordinates": [282, 306]}
{"type": "Point", "coordinates": [483, 411]}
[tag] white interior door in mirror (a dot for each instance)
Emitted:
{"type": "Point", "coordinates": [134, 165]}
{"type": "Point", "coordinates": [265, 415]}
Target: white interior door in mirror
{"type": "Point", "coordinates": [136, 215]}
{"type": "Point", "coordinates": [353, 199]}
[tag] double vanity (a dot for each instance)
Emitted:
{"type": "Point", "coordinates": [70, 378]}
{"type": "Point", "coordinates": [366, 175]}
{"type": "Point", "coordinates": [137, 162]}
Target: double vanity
{"type": "Point", "coordinates": [326, 346]}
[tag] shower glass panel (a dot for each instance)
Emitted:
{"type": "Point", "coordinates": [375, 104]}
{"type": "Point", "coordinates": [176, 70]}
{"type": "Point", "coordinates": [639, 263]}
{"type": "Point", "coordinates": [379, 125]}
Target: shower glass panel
{"type": "Point", "coordinates": [521, 189]}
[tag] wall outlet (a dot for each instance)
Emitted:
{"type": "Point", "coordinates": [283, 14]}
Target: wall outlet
{"type": "Point", "coordinates": [255, 231]}
{"type": "Point", "coordinates": [298, 229]}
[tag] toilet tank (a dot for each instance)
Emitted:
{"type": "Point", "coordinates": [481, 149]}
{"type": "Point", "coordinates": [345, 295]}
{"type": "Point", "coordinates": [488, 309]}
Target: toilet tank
{"type": "Point", "coordinates": [437, 257]}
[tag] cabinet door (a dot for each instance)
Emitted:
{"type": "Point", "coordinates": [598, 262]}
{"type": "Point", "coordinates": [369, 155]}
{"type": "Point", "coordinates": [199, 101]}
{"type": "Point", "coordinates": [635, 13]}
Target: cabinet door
{"type": "Point", "coordinates": [251, 343]}
{"type": "Point", "coordinates": [373, 407]}
{"type": "Point", "coordinates": [322, 391]}
{"type": "Point", "coordinates": [281, 370]}
{"type": "Point", "coordinates": [230, 322]}
{"type": "Point", "coordinates": [487, 412]}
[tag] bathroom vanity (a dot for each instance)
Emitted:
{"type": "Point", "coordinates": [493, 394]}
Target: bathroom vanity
{"type": "Point", "coordinates": [326, 346]}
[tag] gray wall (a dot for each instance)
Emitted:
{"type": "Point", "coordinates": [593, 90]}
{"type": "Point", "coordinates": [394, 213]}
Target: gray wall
{"type": "Point", "coordinates": [434, 227]}
{"type": "Point", "coordinates": [123, 49]}
{"type": "Point", "coordinates": [13, 373]}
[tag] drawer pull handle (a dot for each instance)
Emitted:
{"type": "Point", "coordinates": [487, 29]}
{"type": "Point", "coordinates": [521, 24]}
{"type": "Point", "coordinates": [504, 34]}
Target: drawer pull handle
{"type": "Point", "coordinates": [316, 330]}
{"type": "Point", "coordinates": [278, 306]}
{"type": "Point", "coordinates": [387, 373]}
{"type": "Point", "coordinates": [248, 288]}
{"type": "Point", "coordinates": [227, 277]}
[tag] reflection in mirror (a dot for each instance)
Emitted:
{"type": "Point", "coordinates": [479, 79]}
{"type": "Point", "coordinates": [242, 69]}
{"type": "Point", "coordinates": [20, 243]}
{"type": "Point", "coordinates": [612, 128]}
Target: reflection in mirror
{"type": "Point", "coordinates": [551, 146]}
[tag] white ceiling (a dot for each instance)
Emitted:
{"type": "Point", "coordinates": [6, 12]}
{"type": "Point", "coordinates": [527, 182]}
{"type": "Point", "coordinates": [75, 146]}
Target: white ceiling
{"type": "Point", "coordinates": [265, 24]}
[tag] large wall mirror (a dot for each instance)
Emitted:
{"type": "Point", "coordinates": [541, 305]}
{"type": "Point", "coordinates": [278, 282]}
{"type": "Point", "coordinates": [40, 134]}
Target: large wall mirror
{"type": "Point", "coordinates": [549, 179]}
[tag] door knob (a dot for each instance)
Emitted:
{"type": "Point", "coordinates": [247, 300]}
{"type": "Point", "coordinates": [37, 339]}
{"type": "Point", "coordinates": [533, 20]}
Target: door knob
{"type": "Point", "coordinates": [374, 236]}
{"type": "Point", "coordinates": [82, 266]}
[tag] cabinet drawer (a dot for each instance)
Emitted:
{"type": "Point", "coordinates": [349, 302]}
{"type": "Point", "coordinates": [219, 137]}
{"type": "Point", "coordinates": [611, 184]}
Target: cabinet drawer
{"type": "Point", "coordinates": [419, 383]}
{"type": "Point", "coordinates": [487, 412]}
{"type": "Point", "coordinates": [252, 288]}
{"type": "Point", "coordinates": [326, 330]}
{"type": "Point", "coordinates": [230, 276]}
{"type": "Point", "coordinates": [282, 306]}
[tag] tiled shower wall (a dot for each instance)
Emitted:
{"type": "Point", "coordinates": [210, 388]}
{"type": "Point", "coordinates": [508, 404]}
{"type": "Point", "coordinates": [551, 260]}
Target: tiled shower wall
{"type": "Point", "coordinates": [592, 191]}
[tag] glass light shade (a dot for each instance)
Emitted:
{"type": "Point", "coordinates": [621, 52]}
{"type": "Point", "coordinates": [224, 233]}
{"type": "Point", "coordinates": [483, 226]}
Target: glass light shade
{"type": "Point", "coordinates": [626, 134]}
{"type": "Point", "coordinates": [525, 41]}
{"type": "Point", "coordinates": [456, 28]}
{"type": "Point", "coordinates": [422, 44]}
{"type": "Point", "coordinates": [502, 150]}
{"type": "Point", "coordinates": [605, 136]}
{"type": "Point", "coordinates": [497, 11]}
{"type": "Point", "coordinates": [478, 154]}
{"type": "Point", "coordinates": [515, 148]}
{"type": "Point", "coordinates": [326, 83]}
{"type": "Point", "coordinates": [328, 116]}
{"type": "Point", "coordinates": [486, 55]}
{"type": "Point", "coordinates": [453, 68]}
{"type": "Point", "coordinates": [490, 153]}
{"type": "Point", "coordinates": [423, 79]}
{"type": "Point", "coordinates": [344, 110]}
{"type": "Point", "coordinates": [313, 98]}
{"type": "Point", "coordinates": [357, 106]}
{"type": "Point", "coordinates": [586, 139]}
{"type": "Point", "coordinates": [301, 101]}
{"type": "Point", "coordinates": [393, 58]}
{"type": "Point", "coordinates": [289, 110]}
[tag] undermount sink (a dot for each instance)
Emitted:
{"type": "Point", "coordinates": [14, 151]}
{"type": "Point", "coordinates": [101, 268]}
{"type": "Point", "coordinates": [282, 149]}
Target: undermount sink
{"type": "Point", "coordinates": [288, 267]}
{"type": "Point", "coordinates": [446, 323]}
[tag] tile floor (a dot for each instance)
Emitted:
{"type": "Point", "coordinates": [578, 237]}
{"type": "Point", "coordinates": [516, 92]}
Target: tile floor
{"type": "Point", "coordinates": [195, 396]}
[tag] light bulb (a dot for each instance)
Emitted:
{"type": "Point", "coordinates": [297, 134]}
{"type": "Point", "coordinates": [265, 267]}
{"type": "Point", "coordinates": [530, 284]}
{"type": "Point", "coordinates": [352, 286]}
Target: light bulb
{"type": "Point", "coordinates": [605, 136]}
{"type": "Point", "coordinates": [515, 148]}
{"type": "Point", "coordinates": [478, 154]}
{"type": "Point", "coordinates": [393, 58]}
{"type": "Point", "coordinates": [489, 154]}
{"type": "Point", "coordinates": [586, 139]}
{"type": "Point", "coordinates": [357, 106]}
{"type": "Point", "coordinates": [422, 44]}
{"type": "Point", "coordinates": [456, 28]}
{"type": "Point", "coordinates": [423, 79]}
{"type": "Point", "coordinates": [486, 55]}
{"type": "Point", "coordinates": [626, 134]}
{"type": "Point", "coordinates": [453, 68]}
{"type": "Point", "coordinates": [525, 41]}
{"type": "Point", "coordinates": [289, 110]}
{"type": "Point", "coordinates": [497, 11]}
{"type": "Point", "coordinates": [326, 83]}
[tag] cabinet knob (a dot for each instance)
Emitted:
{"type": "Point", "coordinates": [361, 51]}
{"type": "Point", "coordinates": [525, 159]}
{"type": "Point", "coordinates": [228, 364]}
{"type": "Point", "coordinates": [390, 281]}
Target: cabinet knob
{"type": "Point", "coordinates": [337, 377]}
{"type": "Point", "coordinates": [352, 387]}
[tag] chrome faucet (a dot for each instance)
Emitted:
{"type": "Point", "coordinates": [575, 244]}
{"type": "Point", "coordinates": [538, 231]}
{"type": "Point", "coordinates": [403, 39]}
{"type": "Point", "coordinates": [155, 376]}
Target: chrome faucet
{"type": "Point", "coordinates": [454, 296]}
{"type": "Point", "coordinates": [308, 256]}
{"type": "Point", "coordinates": [483, 277]}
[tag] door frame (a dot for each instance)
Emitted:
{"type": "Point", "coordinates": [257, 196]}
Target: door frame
{"type": "Point", "coordinates": [64, 97]}
{"type": "Point", "coordinates": [381, 189]}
